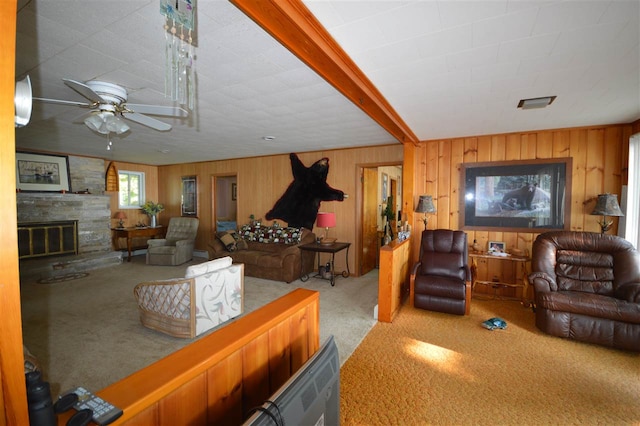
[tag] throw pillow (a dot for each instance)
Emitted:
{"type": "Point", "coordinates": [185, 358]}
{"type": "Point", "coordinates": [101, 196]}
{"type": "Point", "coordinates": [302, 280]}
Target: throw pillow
{"type": "Point", "coordinates": [228, 240]}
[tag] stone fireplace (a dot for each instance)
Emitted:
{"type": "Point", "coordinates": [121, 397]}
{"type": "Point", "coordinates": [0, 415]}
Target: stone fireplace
{"type": "Point", "coordinates": [90, 211]}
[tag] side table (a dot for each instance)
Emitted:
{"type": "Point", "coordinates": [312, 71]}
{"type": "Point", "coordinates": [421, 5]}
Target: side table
{"type": "Point", "coordinates": [131, 233]}
{"type": "Point", "coordinates": [519, 261]}
{"type": "Point", "coordinates": [329, 248]}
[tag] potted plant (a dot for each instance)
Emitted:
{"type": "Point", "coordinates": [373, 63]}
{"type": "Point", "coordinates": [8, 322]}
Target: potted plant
{"type": "Point", "coordinates": [388, 214]}
{"type": "Point", "coordinates": [152, 209]}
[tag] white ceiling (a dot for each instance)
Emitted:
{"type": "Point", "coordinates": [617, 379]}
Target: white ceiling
{"type": "Point", "coordinates": [449, 68]}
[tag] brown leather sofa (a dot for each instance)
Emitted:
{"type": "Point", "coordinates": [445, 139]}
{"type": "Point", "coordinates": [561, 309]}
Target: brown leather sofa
{"type": "Point", "coordinates": [272, 261]}
{"type": "Point", "coordinates": [587, 288]}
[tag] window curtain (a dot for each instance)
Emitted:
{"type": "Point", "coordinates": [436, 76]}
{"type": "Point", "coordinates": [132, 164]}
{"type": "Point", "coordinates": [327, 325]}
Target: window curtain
{"type": "Point", "coordinates": [631, 224]}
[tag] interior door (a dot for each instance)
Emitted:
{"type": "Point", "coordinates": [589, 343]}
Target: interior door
{"type": "Point", "coordinates": [225, 204]}
{"type": "Point", "coordinates": [369, 220]}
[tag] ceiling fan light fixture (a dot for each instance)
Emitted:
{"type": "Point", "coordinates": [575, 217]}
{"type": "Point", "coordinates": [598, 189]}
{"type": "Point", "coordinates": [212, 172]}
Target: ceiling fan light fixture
{"type": "Point", "coordinates": [533, 103]}
{"type": "Point", "coordinates": [105, 122]}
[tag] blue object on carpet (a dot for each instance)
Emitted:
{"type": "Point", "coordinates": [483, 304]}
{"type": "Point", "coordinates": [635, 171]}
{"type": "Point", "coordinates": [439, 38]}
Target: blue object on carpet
{"type": "Point", "coordinates": [493, 323]}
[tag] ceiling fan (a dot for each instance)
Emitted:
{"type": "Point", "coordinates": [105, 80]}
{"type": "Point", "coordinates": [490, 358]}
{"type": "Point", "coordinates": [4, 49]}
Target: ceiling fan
{"type": "Point", "coordinates": [109, 102]}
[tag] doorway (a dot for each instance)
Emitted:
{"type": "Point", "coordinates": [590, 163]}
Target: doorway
{"type": "Point", "coordinates": [225, 203]}
{"type": "Point", "coordinates": [378, 183]}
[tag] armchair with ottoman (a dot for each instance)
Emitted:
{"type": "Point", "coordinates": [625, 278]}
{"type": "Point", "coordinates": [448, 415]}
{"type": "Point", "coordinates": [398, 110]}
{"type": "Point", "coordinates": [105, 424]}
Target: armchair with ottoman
{"type": "Point", "coordinates": [210, 294]}
{"type": "Point", "coordinates": [587, 288]}
{"type": "Point", "coordinates": [177, 246]}
{"type": "Point", "coordinates": [267, 252]}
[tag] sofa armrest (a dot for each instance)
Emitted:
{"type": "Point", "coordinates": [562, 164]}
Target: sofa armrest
{"type": "Point", "coordinates": [216, 249]}
{"type": "Point", "coordinates": [157, 242]}
{"type": "Point", "coordinates": [543, 282]}
{"type": "Point", "coordinates": [629, 292]}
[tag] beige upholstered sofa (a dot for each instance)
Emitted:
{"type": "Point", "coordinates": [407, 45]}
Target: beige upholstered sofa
{"type": "Point", "coordinates": [176, 247]}
{"type": "Point", "coordinates": [265, 253]}
{"type": "Point", "coordinates": [209, 294]}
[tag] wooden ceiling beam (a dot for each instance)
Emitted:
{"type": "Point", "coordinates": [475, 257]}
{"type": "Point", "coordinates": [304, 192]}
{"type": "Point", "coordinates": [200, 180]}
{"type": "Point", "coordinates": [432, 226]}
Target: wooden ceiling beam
{"type": "Point", "coordinates": [295, 27]}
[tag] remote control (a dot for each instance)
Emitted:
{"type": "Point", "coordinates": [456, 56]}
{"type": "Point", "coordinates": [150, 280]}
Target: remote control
{"type": "Point", "coordinates": [103, 412]}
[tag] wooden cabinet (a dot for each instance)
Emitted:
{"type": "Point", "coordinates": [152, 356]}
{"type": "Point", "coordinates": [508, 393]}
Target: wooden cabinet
{"type": "Point", "coordinates": [504, 276]}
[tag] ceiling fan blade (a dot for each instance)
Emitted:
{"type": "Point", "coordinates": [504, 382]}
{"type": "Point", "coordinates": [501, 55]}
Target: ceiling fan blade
{"type": "Point", "coordinates": [84, 90]}
{"type": "Point", "coordinates": [158, 110]}
{"type": "Point", "coordinates": [61, 102]}
{"type": "Point", "coordinates": [147, 121]}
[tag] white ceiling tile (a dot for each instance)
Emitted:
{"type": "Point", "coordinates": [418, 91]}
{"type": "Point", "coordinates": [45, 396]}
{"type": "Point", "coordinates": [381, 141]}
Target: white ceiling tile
{"type": "Point", "coordinates": [449, 68]}
{"type": "Point", "coordinates": [456, 13]}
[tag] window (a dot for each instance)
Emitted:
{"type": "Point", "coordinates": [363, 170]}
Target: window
{"type": "Point", "coordinates": [131, 189]}
{"type": "Point", "coordinates": [632, 213]}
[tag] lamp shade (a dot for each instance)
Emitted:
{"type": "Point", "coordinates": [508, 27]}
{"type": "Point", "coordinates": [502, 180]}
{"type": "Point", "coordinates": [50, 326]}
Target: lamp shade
{"type": "Point", "coordinates": [425, 204]}
{"type": "Point", "coordinates": [326, 220]}
{"type": "Point", "coordinates": [120, 215]}
{"type": "Point", "coordinates": [607, 205]}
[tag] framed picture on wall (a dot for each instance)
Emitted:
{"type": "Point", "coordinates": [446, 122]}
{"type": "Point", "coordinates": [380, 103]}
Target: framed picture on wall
{"type": "Point", "coordinates": [189, 196]}
{"type": "Point", "coordinates": [516, 196]}
{"type": "Point", "coordinates": [385, 187]}
{"type": "Point", "coordinates": [42, 173]}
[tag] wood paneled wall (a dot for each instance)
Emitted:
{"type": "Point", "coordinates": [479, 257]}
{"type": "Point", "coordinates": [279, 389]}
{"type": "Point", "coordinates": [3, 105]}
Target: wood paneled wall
{"type": "Point", "coordinates": [599, 154]}
{"type": "Point", "coordinates": [261, 182]}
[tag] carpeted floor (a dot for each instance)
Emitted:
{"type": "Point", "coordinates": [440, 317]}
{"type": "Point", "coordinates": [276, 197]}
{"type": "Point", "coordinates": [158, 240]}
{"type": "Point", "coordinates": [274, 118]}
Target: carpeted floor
{"type": "Point", "coordinates": [86, 331]}
{"type": "Point", "coordinates": [430, 368]}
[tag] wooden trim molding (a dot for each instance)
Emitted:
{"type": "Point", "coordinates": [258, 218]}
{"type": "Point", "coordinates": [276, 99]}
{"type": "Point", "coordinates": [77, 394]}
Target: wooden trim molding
{"type": "Point", "coordinates": [295, 27]}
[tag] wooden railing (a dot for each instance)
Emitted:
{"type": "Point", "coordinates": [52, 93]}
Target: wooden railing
{"type": "Point", "coordinates": [219, 378]}
{"type": "Point", "coordinates": [393, 278]}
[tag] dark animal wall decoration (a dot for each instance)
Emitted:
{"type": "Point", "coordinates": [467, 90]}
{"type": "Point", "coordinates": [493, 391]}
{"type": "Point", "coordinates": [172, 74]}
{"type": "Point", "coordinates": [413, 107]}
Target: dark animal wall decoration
{"type": "Point", "coordinates": [300, 203]}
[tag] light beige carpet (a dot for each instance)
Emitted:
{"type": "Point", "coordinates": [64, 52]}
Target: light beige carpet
{"type": "Point", "coordinates": [428, 368]}
{"type": "Point", "coordinates": [87, 332]}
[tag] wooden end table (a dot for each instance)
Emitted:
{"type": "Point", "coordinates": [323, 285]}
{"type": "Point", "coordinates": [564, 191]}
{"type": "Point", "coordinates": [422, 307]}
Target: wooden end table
{"type": "Point", "coordinates": [329, 248]}
{"type": "Point", "coordinates": [521, 261]}
{"type": "Point", "coordinates": [131, 233]}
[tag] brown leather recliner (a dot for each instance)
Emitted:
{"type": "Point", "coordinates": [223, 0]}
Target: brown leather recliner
{"type": "Point", "coordinates": [441, 280]}
{"type": "Point", "coordinates": [587, 288]}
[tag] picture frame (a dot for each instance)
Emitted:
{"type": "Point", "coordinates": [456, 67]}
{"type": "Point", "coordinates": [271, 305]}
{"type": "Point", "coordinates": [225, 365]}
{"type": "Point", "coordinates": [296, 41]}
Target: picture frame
{"type": "Point", "coordinates": [385, 185]}
{"type": "Point", "coordinates": [234, 191]}
{"type": "Point", "coordinates": [189, 196]}
{"type": "Point", "coordinates": [516, 196]}
{"type": "Point", "coordinates": [496, 247]}
{"type": "Point", "coordinates": [42, 172]}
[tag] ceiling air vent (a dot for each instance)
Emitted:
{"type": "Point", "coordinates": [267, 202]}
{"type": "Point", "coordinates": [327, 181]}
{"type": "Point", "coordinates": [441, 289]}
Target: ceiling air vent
{"type": "Point", "coordinates": [536, 102]}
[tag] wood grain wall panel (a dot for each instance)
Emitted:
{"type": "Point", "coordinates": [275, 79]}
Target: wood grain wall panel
{"type": "Point", "coordinates": [255, 370]}
{"type": "Point", "coordinates": [599, 155]}
{"type": "Point", "coordinates": [147, 417]}
{"type": "Point", "coordinates": [578, 151]}
{"type": "Point", "coordinates": [457, 157]}
{"type": "Point", "coordinates": [187, 405]}
{"type": "Point", "coordinates": [263, 180]}
{"type": "Point", "coordinates": [279, 356]}
{"type": "Point", "coordinates": [443, 186]}
{"type": "Point", "coordinates": [224, 390]}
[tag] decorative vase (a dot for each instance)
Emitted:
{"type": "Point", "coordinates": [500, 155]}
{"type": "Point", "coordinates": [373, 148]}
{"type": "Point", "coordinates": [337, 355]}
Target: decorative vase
{"type": "Point", "coordinates": [153, 223]}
